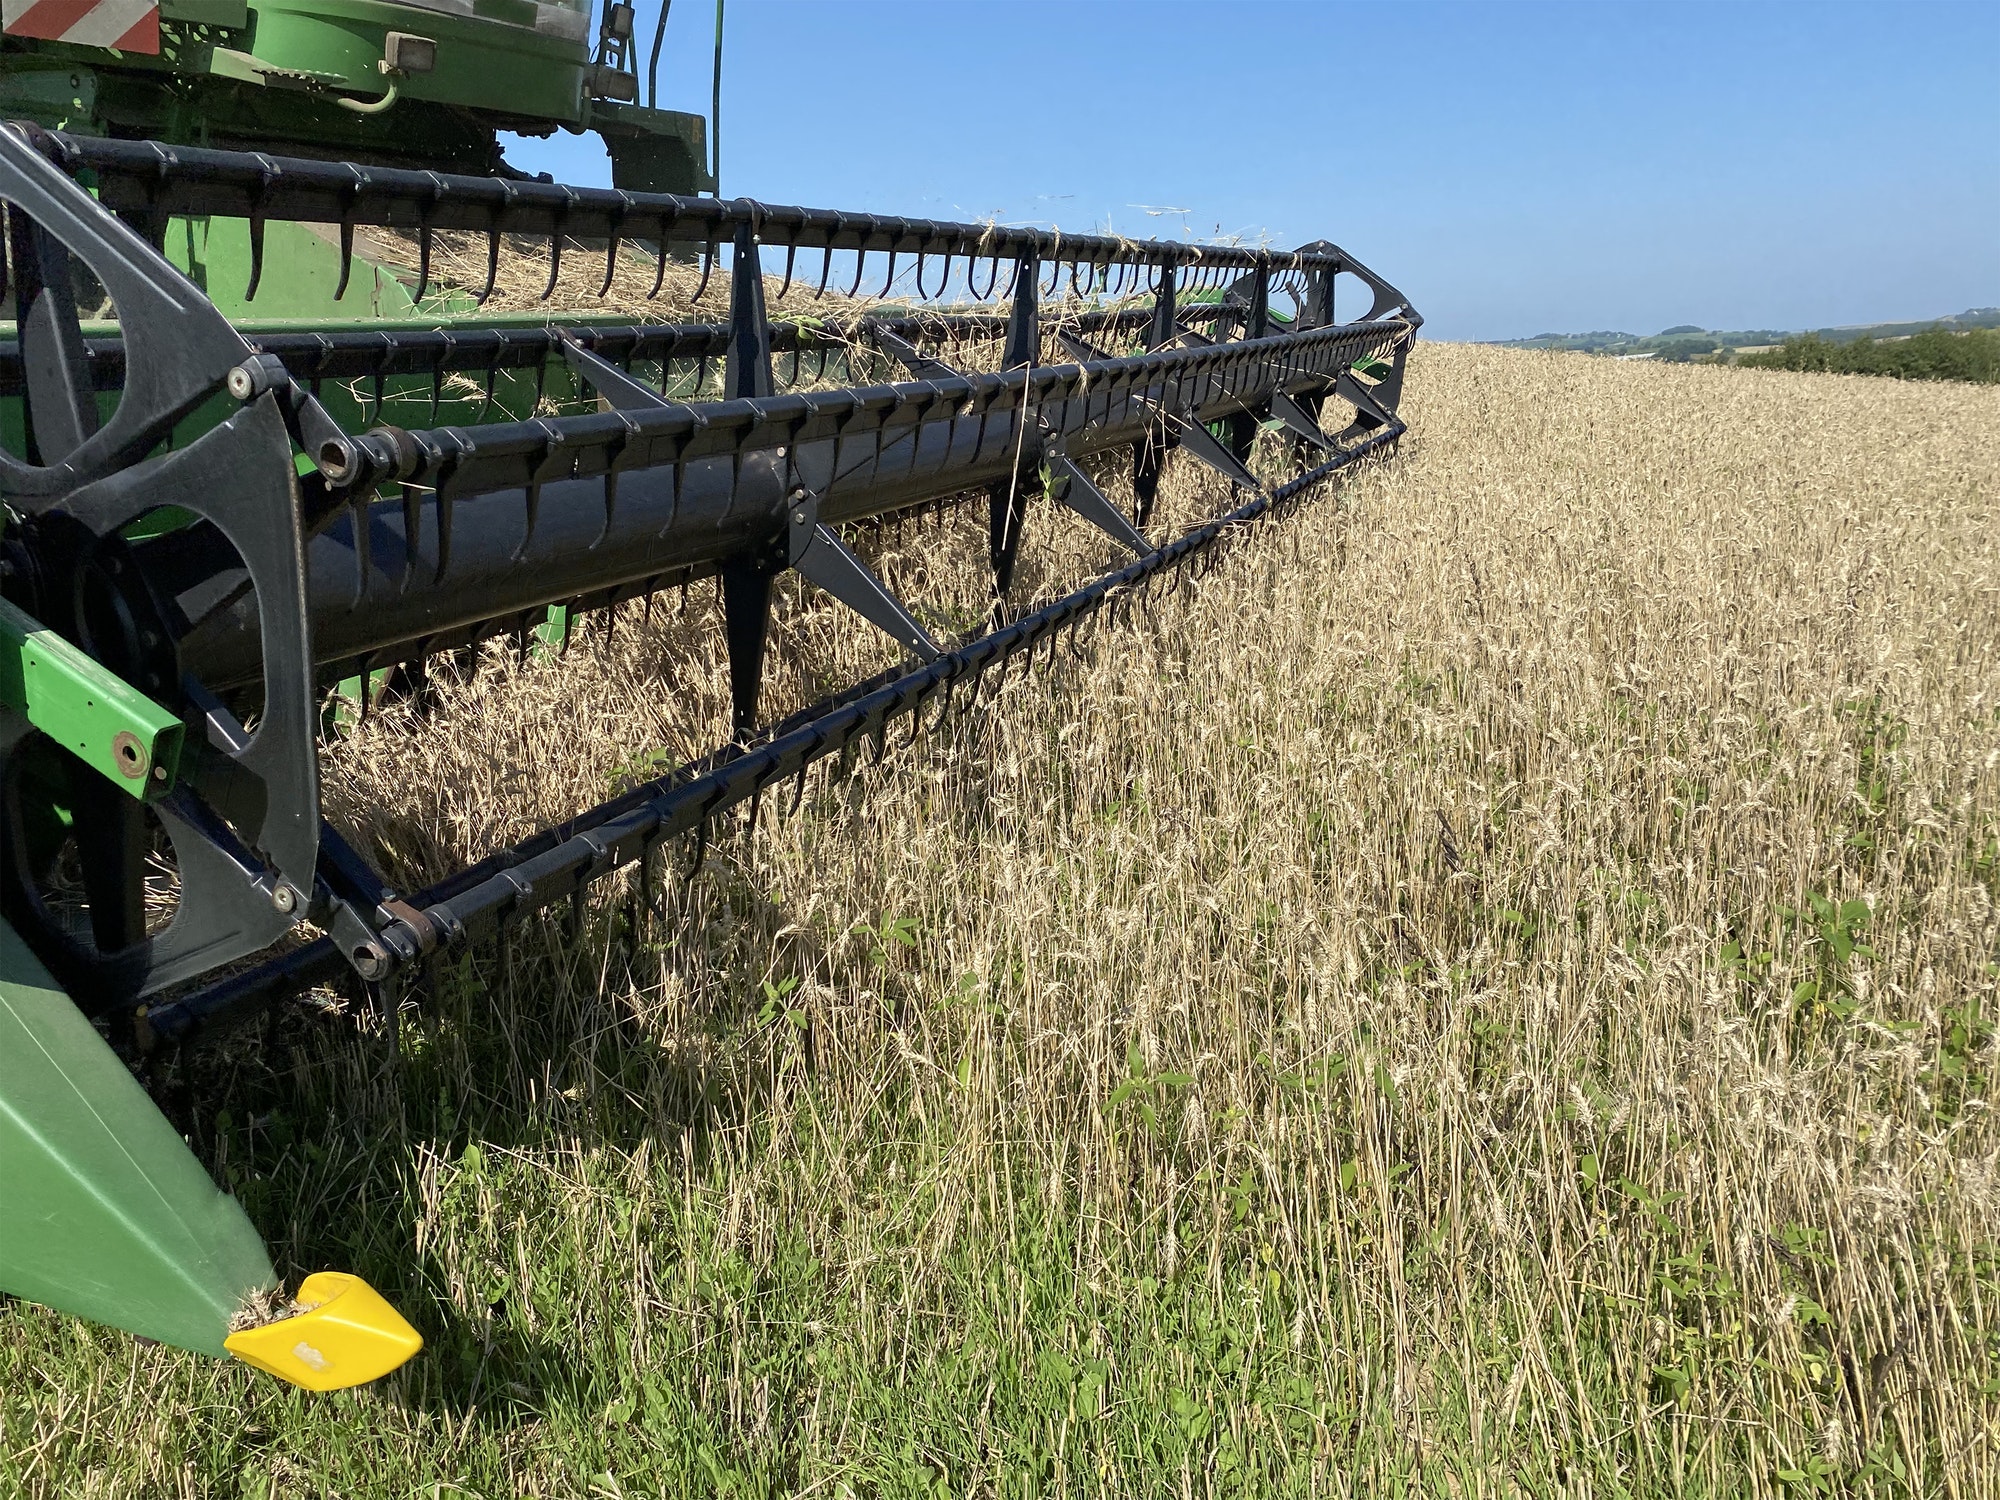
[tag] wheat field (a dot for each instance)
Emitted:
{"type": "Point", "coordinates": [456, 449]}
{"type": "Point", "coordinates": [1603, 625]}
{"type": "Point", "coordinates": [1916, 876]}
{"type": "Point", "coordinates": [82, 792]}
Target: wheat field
{"type": "Point", "coordinates": [1490, 992]}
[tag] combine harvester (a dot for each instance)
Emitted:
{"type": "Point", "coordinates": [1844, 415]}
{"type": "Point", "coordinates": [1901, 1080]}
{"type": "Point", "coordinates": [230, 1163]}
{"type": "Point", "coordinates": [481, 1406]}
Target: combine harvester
{"type": "Point", "coordinates": [219, 259]}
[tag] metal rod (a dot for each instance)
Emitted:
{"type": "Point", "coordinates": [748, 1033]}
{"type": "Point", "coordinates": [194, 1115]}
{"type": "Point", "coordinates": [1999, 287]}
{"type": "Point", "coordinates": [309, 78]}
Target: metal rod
{"type": "Point", "coordinates": [653, 62]}
{"type": "Point", "coordinates": [715, 110]}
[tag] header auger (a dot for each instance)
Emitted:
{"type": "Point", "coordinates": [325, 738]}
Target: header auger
{"type": "Point", "coordinates": [209, 524]}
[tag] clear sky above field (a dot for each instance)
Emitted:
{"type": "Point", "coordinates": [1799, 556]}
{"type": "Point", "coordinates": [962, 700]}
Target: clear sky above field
{"type": "Point", "coordinates": [1515, 168]}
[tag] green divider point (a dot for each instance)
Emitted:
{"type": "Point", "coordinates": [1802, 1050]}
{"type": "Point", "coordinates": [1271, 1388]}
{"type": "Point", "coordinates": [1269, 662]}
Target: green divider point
{"type": "Point", "coordinates": [553, 633]}
{"type": "Point", "coordinates": [349, 699]}
{"type": "Point", "coordinates": [104, 1212]}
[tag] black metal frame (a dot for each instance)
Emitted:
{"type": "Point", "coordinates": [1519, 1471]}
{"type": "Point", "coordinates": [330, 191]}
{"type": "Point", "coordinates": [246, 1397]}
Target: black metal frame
{"type": "Point", "coordinates": [244, 818]}
{"type": "Point", "coordinates": [404, 542]}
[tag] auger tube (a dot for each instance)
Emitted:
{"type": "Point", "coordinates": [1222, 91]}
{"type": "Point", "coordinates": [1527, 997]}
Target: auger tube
{"type": "Point", "coordinates": [663, 526]}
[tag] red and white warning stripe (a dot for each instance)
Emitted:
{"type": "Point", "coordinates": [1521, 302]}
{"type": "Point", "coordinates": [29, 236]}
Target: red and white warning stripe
{"type": "Point", "coordinates": [128, 25]}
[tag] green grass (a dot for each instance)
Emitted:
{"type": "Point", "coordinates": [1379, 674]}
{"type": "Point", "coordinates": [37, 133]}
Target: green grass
{"type": "Point", "coordinates": [602, 1318]}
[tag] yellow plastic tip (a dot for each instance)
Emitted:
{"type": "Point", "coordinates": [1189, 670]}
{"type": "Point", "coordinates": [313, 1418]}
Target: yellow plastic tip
{"type": "Point", "coordinates": [346, 1335]}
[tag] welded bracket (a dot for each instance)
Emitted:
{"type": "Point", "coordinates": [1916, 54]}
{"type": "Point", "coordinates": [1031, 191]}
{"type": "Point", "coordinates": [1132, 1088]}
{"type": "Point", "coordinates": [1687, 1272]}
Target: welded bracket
{"type": "Point", "coordinates": [1299, 421]}
{"type": "Point", "coordinates": [85, 707]}
{"type": "Point", "coordinates": [1077, 349]}
{"type": "Point", "coordinates": [912, 358]}
{"type": "Point", "coordinates": [747, 370]}
{"type": "Point", "coordinates": [615, 388]}
{"type": "Point", "coordinates": [1006, 515]}
{"type": "Point", "coordinates": [1006, 509]}
{"type": "Point", "coordinates": [1368, 411]}
{"type": "Point", "coordinates": [746, 630]}
{"type": "Point", "coordinates": [825, 560]}
{"type": "Point", "coordinates": [1083, 497]}
{"type": "Point", "coordinates": [1197, 440]}
{"type": "Point", "coordinates": [1163, 328]}
{"type": "Point", "coordinates": [1071, 488]}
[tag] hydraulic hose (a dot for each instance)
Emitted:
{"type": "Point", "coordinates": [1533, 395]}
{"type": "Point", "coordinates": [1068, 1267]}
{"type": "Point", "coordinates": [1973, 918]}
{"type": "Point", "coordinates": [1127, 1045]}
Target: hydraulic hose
{"type": "Point", "coordinates": [715, 108]}
{"type": "Point", "coordinates": [653, 62]}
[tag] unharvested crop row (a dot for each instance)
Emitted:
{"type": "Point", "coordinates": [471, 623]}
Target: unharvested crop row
{"type": "Point", "coordinates": [1493, 985]}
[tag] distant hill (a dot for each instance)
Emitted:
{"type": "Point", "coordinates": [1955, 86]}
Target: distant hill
{"type": "Point", "coordinates": [1687, 342]}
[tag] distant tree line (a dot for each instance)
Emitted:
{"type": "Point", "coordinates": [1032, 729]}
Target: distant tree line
{"type": "Point", "coordinates": [1684, 342]}
{"type": "Point", "coordinates": [1680, 350]}
{"type": "Point", "coordinates": [1931, 355]}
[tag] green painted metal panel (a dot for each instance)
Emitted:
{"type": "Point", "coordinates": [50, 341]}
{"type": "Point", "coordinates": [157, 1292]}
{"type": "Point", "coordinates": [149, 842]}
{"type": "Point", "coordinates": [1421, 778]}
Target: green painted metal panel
{"type": "Point", "coordinates": [301, 273]}
{"type": "Point", "coordinates": [494, 59]}
{"type": "Point", "coordinates": [231, 15]}
{"type": "Point", "coordinates": [107, 1215]}
{"type": "Point", "coordinates": [85, 707]}
{"type": "Point", "coordinates": [253, 322]}
{"type": "Point", "coordinates": [47, 88]}
{"type": "Point", "coordinates": [274, 74]}
{"type": "Point", "coordinates": [653, 150]}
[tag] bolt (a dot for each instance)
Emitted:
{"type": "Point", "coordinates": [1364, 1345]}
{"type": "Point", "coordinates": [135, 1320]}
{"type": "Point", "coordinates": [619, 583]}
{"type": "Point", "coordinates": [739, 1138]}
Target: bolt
{"type": "Point", "coordinates": [242, 384]}
{"type": "Point", "coordinates": [284, 898]}
{"type": "Point", "coordinates": [798, 518]}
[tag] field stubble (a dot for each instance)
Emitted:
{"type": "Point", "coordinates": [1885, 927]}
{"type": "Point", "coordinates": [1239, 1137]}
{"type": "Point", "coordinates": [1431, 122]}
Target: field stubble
{"type": "Point", "coordinates": [1490, 991]}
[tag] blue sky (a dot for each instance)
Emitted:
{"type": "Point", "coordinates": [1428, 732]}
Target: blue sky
{"type": "Point", "coordinates": [1514, 168]}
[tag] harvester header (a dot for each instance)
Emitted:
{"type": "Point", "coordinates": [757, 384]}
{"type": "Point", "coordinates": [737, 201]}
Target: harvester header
{"type": "Point", "coordinates": [218, 545]}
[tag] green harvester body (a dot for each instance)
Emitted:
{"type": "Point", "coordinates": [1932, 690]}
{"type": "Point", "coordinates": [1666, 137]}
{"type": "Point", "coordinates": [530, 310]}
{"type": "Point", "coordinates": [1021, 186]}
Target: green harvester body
{"type": "Point", "coordinates": [309, 77]}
